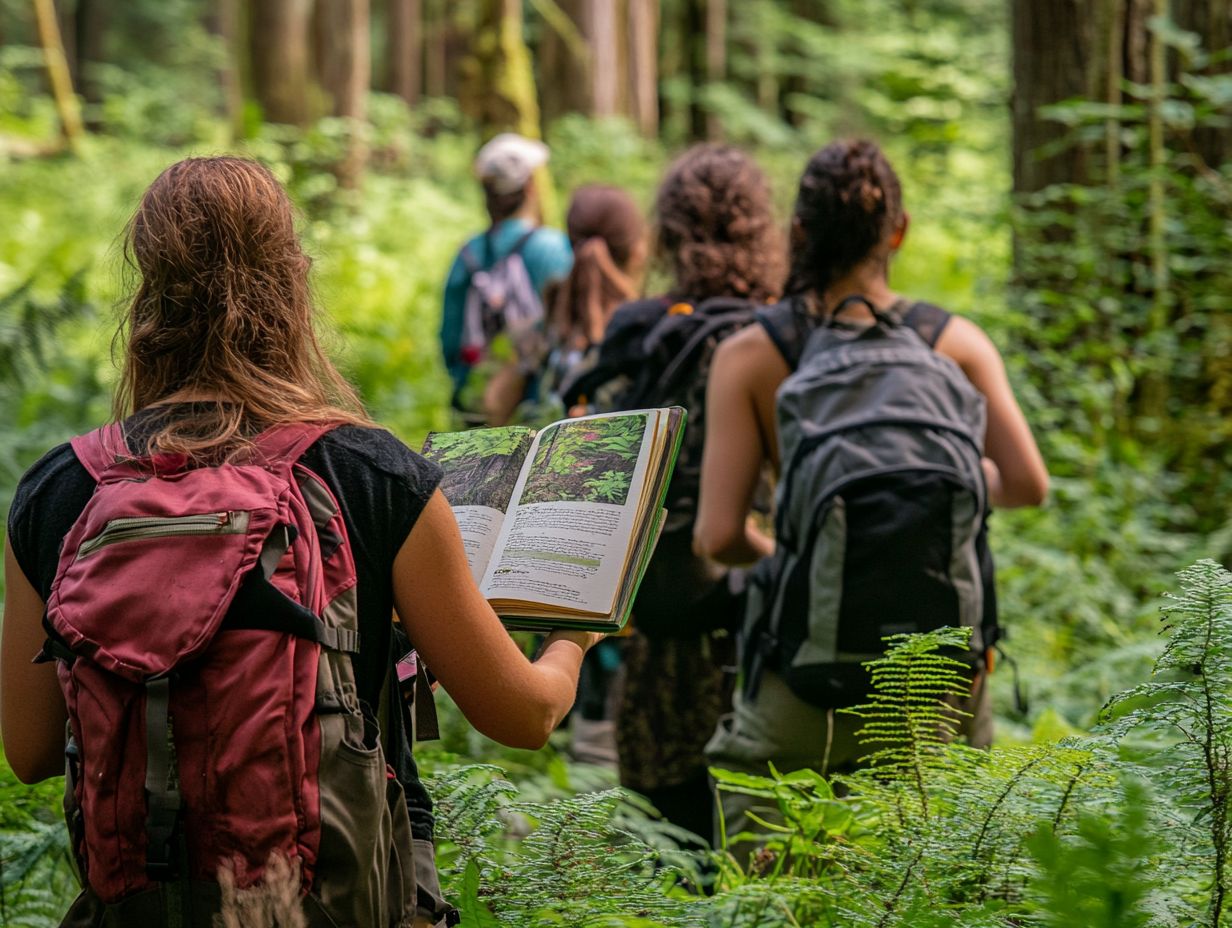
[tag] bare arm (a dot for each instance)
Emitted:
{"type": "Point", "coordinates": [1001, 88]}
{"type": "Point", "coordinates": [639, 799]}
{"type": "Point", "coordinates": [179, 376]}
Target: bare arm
{"type": "Point", "coordinates": [32, 712]}
{"type": "Point", "coordinates": [1018, 476]}
{"type": "Point", "coordinates": [500, 692]}
{"type": "Point", "coordinates": [732, 459]}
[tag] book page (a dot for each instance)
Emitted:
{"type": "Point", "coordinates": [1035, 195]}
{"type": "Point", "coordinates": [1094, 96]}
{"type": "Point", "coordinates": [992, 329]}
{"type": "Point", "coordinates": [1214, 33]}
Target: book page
{"type": "Point", "coordinates": [481, 472]}
{"type": "Point", "coordinates": [567, 538]}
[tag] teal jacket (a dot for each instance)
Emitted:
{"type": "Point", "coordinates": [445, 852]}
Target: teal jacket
{"type": "Point", "coordinates": [548, 258]}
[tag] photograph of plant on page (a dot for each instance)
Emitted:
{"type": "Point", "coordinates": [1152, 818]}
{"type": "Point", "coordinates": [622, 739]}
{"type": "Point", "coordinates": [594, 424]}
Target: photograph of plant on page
{"type": "Point", "coordinates": [481, 466]}
{"type": "Point", "coordinates": [565, 544]}
{"type": "Point", "coordinates": [587, 461]}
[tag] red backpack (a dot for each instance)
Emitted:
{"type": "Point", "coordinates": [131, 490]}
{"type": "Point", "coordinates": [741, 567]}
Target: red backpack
{"type": "Point", "coordinates": [202, 619]}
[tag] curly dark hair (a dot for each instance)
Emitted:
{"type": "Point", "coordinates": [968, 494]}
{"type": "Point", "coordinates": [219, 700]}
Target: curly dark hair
{"type": "Point", "coordinates": [850, 201]}
{"type": "Point", "coordinates": [715, 227]}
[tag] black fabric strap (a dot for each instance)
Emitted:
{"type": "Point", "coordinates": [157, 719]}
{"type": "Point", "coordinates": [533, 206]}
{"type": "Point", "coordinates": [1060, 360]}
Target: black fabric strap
{"type": "Point", "coordinates": [161, 784]}
{"type": "Point", "coordinates": [788, 326]}
{"type": "Point", "coordinates": [427, 725]}
{"type": "Point", "coordinates": [927, 320]}
{"type": "Point", "coordinates": [261, 606]}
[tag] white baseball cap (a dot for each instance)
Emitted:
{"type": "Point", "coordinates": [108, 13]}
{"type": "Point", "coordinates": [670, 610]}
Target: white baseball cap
{"type": "Point", "coordinates": [507, 162]}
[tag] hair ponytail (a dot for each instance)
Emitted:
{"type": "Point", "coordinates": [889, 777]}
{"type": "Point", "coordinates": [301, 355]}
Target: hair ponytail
{"type": "Point", "coordinates": [850, 201]}
{"type": "Point", "coordinates": [595, 286]}
{"type": "Point", "coordinates": [607, 232]}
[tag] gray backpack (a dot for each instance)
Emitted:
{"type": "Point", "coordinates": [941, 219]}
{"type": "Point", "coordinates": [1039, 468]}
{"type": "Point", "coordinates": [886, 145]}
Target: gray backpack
{"type": "Point", "coordinates": [502, 299]}
{"type": "Point", "coordinates": [880, 516]}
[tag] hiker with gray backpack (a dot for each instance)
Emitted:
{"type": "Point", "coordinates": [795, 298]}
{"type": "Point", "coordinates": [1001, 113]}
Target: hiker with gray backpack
{"type": "Point", "coordinates": [893, 429]}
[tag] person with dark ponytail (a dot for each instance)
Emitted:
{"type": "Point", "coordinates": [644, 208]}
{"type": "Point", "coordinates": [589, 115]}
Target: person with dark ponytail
{"type": "Point", "coordinates": [849, 222]}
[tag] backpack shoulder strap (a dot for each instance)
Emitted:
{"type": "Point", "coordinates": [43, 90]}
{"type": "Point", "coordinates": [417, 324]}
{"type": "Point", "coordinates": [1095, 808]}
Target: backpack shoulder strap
{"type": "Point", "coordinates": [928, 321]}
{"type": "Point", "coordinates": [521, 243]}
{"type": "Point", "coordinates": [469, 261]}
{"type": "Point", "coordinates": [288, 442]}
{"type": "Point", "coordinates": [100, 449]}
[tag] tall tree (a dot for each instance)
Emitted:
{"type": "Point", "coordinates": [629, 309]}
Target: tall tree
{"type": "Point", "coordinates": [499, 89]}
{"type": "Point", "coordinates": [1054, 44]}
{"type": "Point", "coordinates": [224, 24]}
{"type": "Point", "coordinates": [90, 26]}
{"type": "Point", "coordinates": [644, 65]}
{"type": "Point", "coordinates": [58, 73]}
{"type": "Point", "coordinates": [346, 73]}
{"type": "Point", "coordinates": [406, 48]}
{"type": "Point", "coordinates": [278, 39]}
{"type": "Point", "coordinates": [600, 57]}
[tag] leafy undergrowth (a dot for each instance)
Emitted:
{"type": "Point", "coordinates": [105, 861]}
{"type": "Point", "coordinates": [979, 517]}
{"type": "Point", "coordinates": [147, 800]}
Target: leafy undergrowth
{"type": "Point", "coordinates": [1128, 826]}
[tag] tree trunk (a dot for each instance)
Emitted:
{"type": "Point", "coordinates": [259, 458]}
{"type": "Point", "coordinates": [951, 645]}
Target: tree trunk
{"type": "Point", "coordinates": [1054, 43]}
{"type": "Point", "coordinates": [602, 35]}
{"type": "Point", "coordinates": [406, 44]}
{"type": "Point", "coordinates": [500, 83]}
{"type": "Point", "coordinates": [58, 75]}
{"type": "Point", "coordinates": [346, 73]}
{"type": "Point", "coordinates": [224, 23]}
{"type": "Point", "coordinates": [693, 44]}
{"type": "Point", "coordinates": [644, 65]}
{"type": "Point", "coordinates": [716, 58]}
{"type": "Point", "coordinates": [90, 23]}
{"type": "Point", "coordinates": [278, 42]}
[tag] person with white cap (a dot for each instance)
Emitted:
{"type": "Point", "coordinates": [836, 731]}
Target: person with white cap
{"type": "Point", "coordinates": [496, 284]}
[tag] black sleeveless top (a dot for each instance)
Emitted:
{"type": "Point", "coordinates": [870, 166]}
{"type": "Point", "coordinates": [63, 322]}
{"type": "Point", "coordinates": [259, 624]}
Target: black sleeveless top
{"type": "Point", "coordinates": [789, 324]}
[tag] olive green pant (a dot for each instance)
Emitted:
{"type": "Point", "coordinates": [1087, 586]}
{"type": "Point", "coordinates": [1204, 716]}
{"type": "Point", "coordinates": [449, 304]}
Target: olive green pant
{"type": "Point", "coordinates": [779, 728]}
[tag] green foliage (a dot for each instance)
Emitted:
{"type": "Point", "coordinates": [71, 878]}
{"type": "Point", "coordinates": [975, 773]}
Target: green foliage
{"type": "Point", "coordinates": [612, 486]}
{"type": "Point", "coordinates": [1187, 706]}
{"type": "Point", "coordinates": [448, 447]}
{"type": "Point", "coordinates": [1099, 877]}
{"type": "Point", "coordinates": [912, 709]}
{"type": "Point", "coordinates": [573, 865]}
{"type": "Point", "coordinates": [37, 880]}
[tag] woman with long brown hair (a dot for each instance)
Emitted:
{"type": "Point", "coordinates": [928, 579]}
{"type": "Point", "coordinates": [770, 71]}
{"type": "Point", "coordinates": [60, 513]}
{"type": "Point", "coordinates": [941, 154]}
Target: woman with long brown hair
{"type": "Point", "coordinates": [220, 348]}
{"type": "Point", "coordinates": [608, 236]}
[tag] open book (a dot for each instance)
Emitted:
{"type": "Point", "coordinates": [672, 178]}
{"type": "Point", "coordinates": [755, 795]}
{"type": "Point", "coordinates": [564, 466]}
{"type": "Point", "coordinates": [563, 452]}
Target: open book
{"type": "Point", "coordinates": [559, 525]}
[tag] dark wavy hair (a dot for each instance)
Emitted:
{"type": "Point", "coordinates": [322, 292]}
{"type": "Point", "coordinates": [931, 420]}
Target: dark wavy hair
{"type": "Point", "coordinates": [715, 226]}
{"type": "Point", "coordinates": [850, 201]}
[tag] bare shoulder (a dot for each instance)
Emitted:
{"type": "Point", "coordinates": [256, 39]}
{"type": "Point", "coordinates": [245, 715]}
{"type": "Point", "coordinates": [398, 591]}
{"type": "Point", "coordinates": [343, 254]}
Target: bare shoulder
{"type": "Point", "coordinates": [968, 345]}
{"type": "Point", "coordinates": [750, 353]}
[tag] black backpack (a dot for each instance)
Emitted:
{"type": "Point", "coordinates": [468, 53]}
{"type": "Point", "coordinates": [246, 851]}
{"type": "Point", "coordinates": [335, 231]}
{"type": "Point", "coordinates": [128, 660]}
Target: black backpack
{"type": "Point", "coordinates": [658, 353]}
{"type": "Point", "coordinates": [881, 509]}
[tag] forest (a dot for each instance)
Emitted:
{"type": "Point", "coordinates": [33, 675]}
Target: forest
{"type": "Point", "coordinates": [1067, 166]}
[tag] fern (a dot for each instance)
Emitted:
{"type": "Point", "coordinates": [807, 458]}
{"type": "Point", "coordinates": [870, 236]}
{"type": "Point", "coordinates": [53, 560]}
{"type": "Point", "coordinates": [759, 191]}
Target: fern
{"type": "Point", "coordinates": [1187, 705]}
{"type": "Point", "coordinates": [911, 715]}
{"type": "Point", "coordinates": [573, 865]}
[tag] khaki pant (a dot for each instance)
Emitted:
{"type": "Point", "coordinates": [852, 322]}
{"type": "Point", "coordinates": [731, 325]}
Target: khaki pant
{"type": "Point", "coordinates": [780, 728]}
